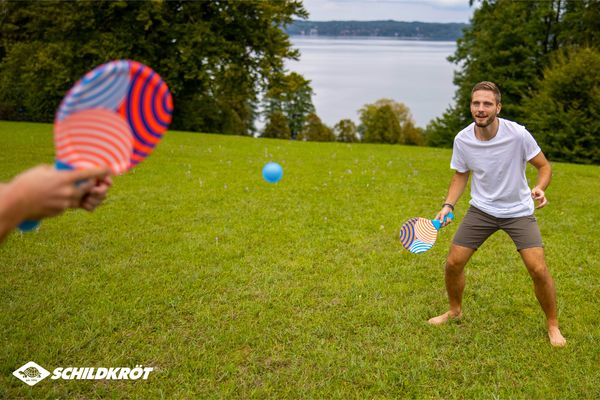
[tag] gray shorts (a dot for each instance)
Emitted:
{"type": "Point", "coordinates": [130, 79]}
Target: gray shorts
{"type": "Point", "coordinates": [477, 226]}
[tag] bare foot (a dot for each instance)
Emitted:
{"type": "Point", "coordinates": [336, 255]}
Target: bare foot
{"type": "Point", "coordinates": [445, 317]}
{"type": "Point", "coordinates": [556, 338]}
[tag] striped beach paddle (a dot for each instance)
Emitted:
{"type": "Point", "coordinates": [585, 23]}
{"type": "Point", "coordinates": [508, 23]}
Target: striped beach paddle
{"type": "Point", "coordinates": [132, 91]}
{"type": "Point", "coordinates": [418, 235]}
{"type": "Point", "coordinates": [112, 117]}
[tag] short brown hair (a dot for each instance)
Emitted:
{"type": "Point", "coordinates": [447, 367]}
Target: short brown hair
{"type": "Point", "coordinates": [491, 86]}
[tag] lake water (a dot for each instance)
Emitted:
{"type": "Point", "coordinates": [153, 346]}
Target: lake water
{"type": "Point", "coordinates": [347, 73]}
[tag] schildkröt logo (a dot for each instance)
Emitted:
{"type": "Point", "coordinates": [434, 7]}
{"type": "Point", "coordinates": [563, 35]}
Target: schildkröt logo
{"type": "Point", "coordinates": [31, 373]}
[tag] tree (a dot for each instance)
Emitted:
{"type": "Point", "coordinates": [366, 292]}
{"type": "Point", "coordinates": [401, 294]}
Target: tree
{"type": "Point", "coordinates": [291, 95]}
{"type": "Point", "coordinates": [564, 111]}
{"type": "Point", "coordinates": [277, 126]}
{"type": "Point", "coordinates": [387, 121]}
{"type": "Point", "coordinates": [383, 126]}
{"type": "Point", "coordinates": [345, 131]}
{"type": "Point", "coordinates": [581, 24]}
{"type": "Point", "coordinates": [414, 135]}
{"type": "Point", "coordinates": [510, 54]}
{"type": "Point", "coordinates": [440, 132]}
{"type": "Point", "coordinates": [512, 43]}
{"type": "Point", "coordinates": [316, 131]}
{"type": "Point", "coordinates": [216, 56]}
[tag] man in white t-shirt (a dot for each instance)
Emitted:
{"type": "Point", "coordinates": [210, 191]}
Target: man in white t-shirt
{"type": "Point", "coordinates": [496, 152]}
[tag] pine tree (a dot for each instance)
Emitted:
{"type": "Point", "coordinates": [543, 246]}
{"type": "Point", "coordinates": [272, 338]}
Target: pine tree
{"type": "Point", "coordinates": [291, 95]}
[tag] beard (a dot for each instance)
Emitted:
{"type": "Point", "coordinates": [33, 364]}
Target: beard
{"type": "Point", "coordinates": [486, 122]}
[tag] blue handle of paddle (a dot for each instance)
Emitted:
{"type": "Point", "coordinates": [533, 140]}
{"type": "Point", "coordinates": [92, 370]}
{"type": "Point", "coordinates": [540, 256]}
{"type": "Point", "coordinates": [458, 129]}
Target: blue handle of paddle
{"type": "Point", "coordinates": [30, 225]}
{"type": "Point", "coordinates": [438, 224]}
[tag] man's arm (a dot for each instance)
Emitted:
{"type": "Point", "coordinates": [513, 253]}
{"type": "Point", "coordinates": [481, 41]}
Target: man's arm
{"type": "Point", "coordinates": [543, 179]}
{"type": "Point", "coordinates": [456, 189]}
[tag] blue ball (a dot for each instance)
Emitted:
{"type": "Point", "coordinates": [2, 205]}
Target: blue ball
{"type": "Point", "coordinates": [272, 172]}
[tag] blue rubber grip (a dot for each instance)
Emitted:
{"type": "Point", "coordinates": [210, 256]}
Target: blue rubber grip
{"type": "Point", "coordinates": [438, 224]}
{"type": "Point", "coordinates": [28, 226]}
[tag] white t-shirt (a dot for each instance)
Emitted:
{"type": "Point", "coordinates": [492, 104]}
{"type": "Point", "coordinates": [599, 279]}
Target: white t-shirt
{"type": "Point", "coordinates": [498, 184]}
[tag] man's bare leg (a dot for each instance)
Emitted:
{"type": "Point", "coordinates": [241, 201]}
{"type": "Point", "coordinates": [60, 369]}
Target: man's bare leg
{"type": "Point", "coordinates": [544, 291]}
{"type": "Point", "coordinates": [455, 282]}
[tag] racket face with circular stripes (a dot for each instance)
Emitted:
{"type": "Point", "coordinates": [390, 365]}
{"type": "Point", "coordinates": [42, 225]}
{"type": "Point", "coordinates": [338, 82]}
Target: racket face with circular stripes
{"type": "Point", "coordinates": [94, 138]}
{"type": "Point", "coordinates": [115, 103]}
{"type": "Point", "coordinates": [418, 235]}
{"type": "Point", "coordinates": [112, 117]}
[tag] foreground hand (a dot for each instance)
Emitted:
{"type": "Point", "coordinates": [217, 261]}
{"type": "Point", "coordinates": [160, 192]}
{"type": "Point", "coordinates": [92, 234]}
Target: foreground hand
{"type": "Point", "coordinates": [538, 195]}
{"type": "Point", "coordinates": [44, 192]}
{"type": "Point", "coordinates": [96, 195]}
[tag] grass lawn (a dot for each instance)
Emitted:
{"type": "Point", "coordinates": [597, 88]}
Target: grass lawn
{"type": "Point", "coordinates": [230, 287]}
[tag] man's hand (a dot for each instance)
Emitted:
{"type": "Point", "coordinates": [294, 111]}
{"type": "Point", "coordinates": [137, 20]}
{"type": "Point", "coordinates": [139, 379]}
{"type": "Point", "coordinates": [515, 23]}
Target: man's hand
{"type": "Point", "coordinates": [442, 214]}
{"type": "Point", "coordinates": [538, 195]}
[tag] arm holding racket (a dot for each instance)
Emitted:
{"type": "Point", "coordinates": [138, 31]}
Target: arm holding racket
{"type": "Point", "coordinates": [456, 189]}
{"type": "Point", "coordinates": [44, 192]}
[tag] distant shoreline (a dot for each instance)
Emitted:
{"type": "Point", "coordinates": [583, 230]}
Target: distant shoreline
{"type": "Point", "coordinates": [409, 38]}
{"type": "Point", "coordinates": [428, 31]}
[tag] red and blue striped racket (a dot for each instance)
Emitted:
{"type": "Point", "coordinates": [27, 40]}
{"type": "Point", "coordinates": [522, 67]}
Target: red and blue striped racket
{"type": "Point", "coordinates": [148, 109]}
{"type": "Point", "coordinates": [94, 138]}
{"type": "Point", "coordinates": [418, 235]}
{"type": "Point", "coordinates": [112, 117]}
{"type": "Point", "coordinates": [133, 92]}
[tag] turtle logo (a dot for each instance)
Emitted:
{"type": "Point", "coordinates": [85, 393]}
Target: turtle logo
{"type": "Point", "coordinates": [31, 373]}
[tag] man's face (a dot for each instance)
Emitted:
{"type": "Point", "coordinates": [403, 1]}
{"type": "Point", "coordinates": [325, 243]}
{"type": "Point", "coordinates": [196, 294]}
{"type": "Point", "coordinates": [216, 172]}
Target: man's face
{"type": "Point", "coordinates": [484, 108]}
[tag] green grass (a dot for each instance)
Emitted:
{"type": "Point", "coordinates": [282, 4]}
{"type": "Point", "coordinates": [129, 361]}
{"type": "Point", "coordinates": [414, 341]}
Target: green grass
{"type": "Point", "coordinates": [234, 288]}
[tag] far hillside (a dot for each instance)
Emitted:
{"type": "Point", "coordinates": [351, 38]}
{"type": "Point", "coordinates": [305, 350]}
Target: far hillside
{"type": "Point", "coordinates": [397, 29]}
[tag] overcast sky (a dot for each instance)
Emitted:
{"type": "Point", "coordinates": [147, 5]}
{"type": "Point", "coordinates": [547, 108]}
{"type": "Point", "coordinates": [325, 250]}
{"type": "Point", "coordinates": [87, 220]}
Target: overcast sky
{"type": "Point", "coordinates": [399, 10]}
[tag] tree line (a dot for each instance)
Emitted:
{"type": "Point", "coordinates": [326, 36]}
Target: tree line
{"type": "Point", "coordinates": [398, 29]}
{"type": "Point", "coordinates": [290, 114]}
{"type": "Point", "coordinates": [218, 57]}
{"type": "Point", "coordinates": [223, 61]}
{"type": "Point", "coordinates": [545, 57]}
